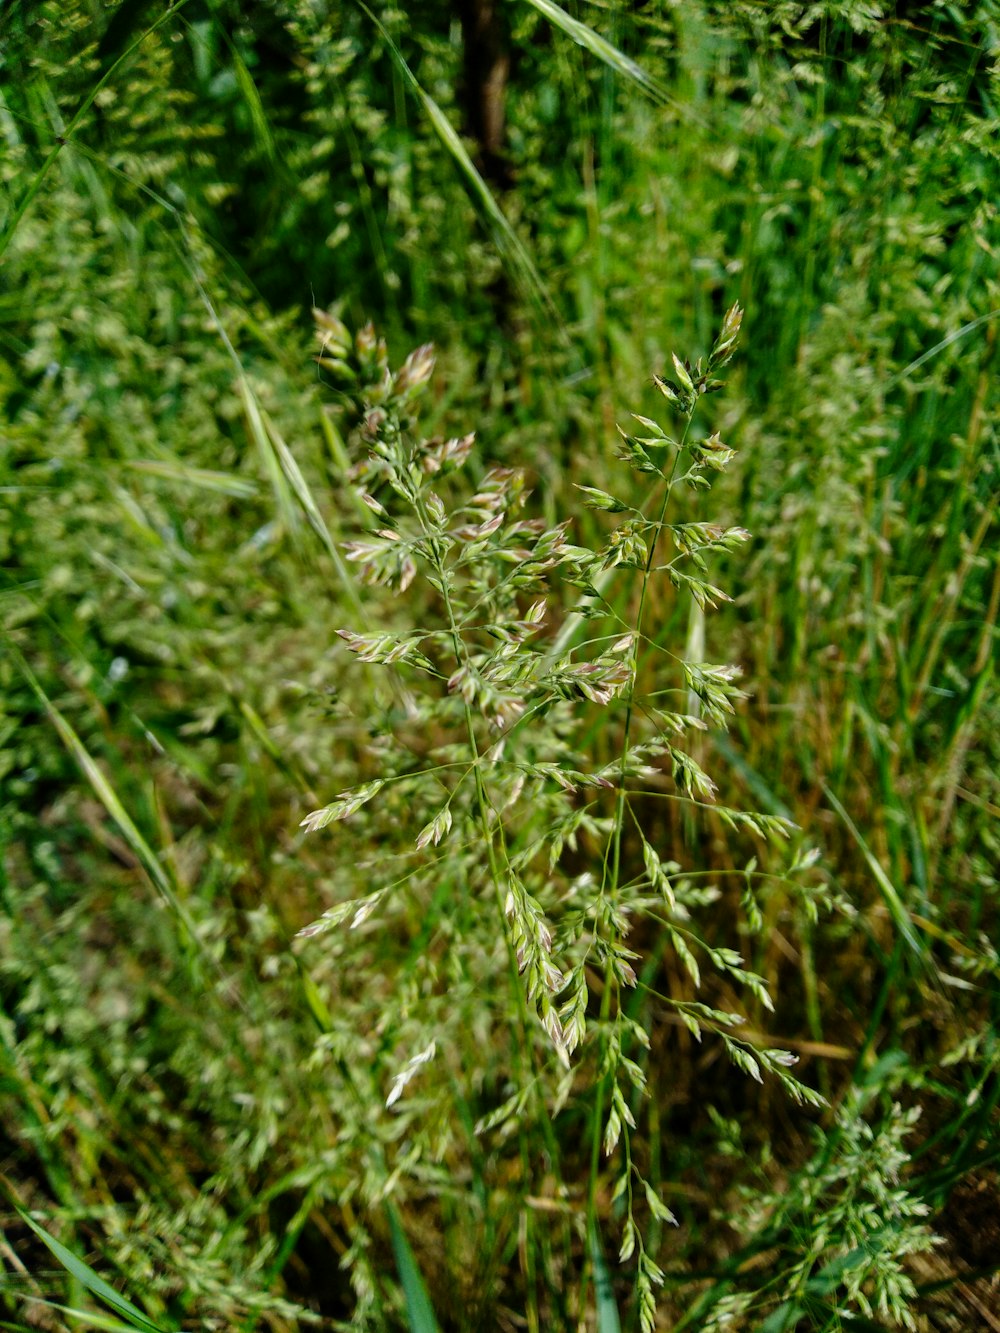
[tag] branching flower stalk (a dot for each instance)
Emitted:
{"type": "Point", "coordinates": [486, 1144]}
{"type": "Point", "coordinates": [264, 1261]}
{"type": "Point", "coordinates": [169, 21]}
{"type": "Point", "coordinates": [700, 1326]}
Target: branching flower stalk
{"type": "Point", "coordinates": [485, 813]}
{"type": "Point", "coordinates": [486, 747]}
{"type": "Point", "coordinates": [684, 395]}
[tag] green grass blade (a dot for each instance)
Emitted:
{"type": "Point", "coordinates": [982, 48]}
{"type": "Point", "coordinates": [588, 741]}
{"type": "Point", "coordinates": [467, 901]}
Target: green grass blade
{"type": "Point", "coordinates": [419, 1312]}
{"type": "Point", "coordinates": [290, 488]}
{"type": "Point", "coordinates": [932, 352]}
{"type": "Point", "coordinates": [315, 1003]}
{"type": "Point", "coordinates": [222, 483]}
{"type": "Point", "coordinates": [258, 116]}
{"type": "Point", "coordinates": [609, 55]}
{"type": "Point", "coordinates": [893, 901]}
{"type": "Point", "coordinates": [107, 796]}
{"type": "Point", "coordinates": [84, 1318]}
{"type": "Point", "coordinates": [607, 1311]}
{"type": "Point", "coordinates": [287, 510]}
{"type": "Point", "coordinates": [763, 794]}
{"type": "Point", "coordinates": [508, 241]}
{"type": "Point", "coordinates": [307, 501]}
{"type": "Point", "coordinates": [86, 1276]}
{"type": "Point", "coordinates": [127, 18]}
{"type": "Point", "coordinates": [785, 1319]}
{"type": "Point", "coordinates": [299, 486]}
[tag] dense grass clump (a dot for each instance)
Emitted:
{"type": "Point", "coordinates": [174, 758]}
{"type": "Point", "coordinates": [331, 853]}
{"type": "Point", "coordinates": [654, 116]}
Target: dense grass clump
{"type": "Point", "coordinates": [501, 834]}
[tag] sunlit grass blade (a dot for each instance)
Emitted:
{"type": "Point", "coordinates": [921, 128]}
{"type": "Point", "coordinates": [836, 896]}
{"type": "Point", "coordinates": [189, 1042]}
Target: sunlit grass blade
{"type": "Point", "coordinates": [299, 486]}
{"type": "Point", "coordinates": [283, 472]}
{"type": "Point", "coordinates": [81, 1318]}
{"type": "Point", "coordinates": [317, 1006]}
{"type": "Point", "coordinates": [604, 51]}
{"type": "Point", "coordinates": [509, 243]}
{"type": "Point", "coordinates": [86, 1276]}
{"type": "Point", "coordinates": [694, 650]}
{"type": "Point", "coordinates": [419, 1313]}
{"type": "Point", "coordinates": [108, 797]}
{"type": "Point", "coordinates": [301, 491]}
{"type": "Point", "coordinates": [223, 483]}
{"type": "Point", "coordinates": [269, 458]}
{"type": "Point", "coordinates": [938, 347]}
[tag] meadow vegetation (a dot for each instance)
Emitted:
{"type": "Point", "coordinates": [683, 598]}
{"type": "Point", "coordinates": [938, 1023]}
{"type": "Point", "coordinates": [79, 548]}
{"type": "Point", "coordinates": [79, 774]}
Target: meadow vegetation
{"type": "Point", "coordinates": [499, 720]}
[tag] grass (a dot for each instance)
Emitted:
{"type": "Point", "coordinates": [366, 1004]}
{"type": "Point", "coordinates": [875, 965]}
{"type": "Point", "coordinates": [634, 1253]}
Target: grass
{"type": "Point", "coordinates": [195, 1085]}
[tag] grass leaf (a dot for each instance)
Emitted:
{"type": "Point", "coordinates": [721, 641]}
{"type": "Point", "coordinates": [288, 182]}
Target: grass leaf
{"type": "Point", "coordinates": [607, 1311]}
{"type": "Point", "coordinates": [108, 797]}
{"type": "Point", "coordinates": [599, 46]}
{"type": "Point", "coordinates": [893, 901]}
{"type": "Point", "coordinates": [86, 1276]}
{"type": "Point", "coordinates": [419, 1312]}
{"type": "Point", "coordinates": [508, 242]}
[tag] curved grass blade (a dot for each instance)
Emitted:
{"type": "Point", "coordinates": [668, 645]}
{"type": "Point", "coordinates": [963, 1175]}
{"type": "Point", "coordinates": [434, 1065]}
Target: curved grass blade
{"type": "Point", "coordinates": [893, 900]}
{"type": "Point", "coordinates": [608, 54]}
{"type": "Point", "coordinates": [932, 352]}
{"type": "Point", "coordinates": [107, 795]}
{"type": "Point", "coordinates": [300, 489]}
{"type": "Point", "coordinates": [508, 242]}
{"type": "Point", "coordinates": [251, 95]}
{"type": "Point", "coordinates": [283, 472]}
{"type": "Point", "coordinates": [86, 1276]}
{"type": "Point", "coordinates": [257, 431]}
{"type": "Point", "coordinates": [81, 1318]}
{"type": "Point", "coordinates": [172, 469]}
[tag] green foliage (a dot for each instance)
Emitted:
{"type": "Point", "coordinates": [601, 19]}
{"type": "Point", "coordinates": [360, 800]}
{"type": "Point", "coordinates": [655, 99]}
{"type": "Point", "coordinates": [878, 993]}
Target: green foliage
{"type": "Point", "coordinates": [448, 1046]}
{"type": "Point", "coordinates": [841, 1233]}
